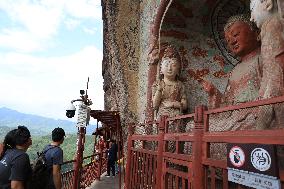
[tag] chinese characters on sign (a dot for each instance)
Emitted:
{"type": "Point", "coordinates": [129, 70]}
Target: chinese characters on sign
{"type": "Point", "coordinates": [253, 180]}
{"type": "Point", "coordinates": [260, 159]}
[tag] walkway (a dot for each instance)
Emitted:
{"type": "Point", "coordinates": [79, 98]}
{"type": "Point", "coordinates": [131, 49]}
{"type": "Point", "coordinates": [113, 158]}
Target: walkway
{"type": "Point", "coordinates": [106, 183]}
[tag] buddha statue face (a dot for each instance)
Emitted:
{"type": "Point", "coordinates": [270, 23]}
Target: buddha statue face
{"type": "Point", "coordinates": [241, 39]}
{"type": "Point", "coordinates": [170, 67]}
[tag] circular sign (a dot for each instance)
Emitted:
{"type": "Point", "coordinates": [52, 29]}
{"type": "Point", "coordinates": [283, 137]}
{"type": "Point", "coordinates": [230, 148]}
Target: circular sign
{"type": "Point", "coordinates": [237, 156]}
{"type": "Point", "coordinates": [260, 159]}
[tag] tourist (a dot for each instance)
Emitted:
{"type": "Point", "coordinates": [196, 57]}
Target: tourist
{"type": "Point", "coordinates": [54, 158]}
{"type": "Point", "coordinates": [15, 168]}
{"type": "Point", "coordinates": [111, 158]}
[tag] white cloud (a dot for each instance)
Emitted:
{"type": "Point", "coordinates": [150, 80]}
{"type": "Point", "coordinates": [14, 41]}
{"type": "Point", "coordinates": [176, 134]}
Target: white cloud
{"type": "Point", "coordinates": [40, 85]}
{"type": "Point", "coordinates": [46, 86]}
{"type": "Point", "coordinates": [91, 31]}
{"type": "Point", "coordinates": [20, 41]}
{"type": "Point", "coordinates": [84, 8]}
{"type": "Point", "coordinates": [38, 21]}
{"type": "Point", "coordinates": [71, 23]}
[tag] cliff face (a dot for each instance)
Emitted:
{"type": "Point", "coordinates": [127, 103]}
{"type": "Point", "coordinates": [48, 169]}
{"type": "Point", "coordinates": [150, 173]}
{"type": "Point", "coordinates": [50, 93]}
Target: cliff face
{"type": "Point", "coordinates": [126, 32]}
{"type": "Point", "coordinates": [120, 61]}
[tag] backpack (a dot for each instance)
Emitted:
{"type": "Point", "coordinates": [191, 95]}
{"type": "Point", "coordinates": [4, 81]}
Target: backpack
{"type": "Point", "coordinates": [40, 171]}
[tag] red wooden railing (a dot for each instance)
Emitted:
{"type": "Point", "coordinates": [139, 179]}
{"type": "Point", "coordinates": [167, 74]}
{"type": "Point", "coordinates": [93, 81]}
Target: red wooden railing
{"type": "Point", "coordinates": [91, 171]}
{"type": "Point", "coordinates": [192, 155]}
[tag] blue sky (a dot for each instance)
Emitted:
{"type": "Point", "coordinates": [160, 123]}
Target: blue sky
{"type": "Point", "coordinates": [48, 48]}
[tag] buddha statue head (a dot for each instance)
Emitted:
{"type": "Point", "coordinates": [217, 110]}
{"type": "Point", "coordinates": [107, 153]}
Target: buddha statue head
{"type": "Point", "coordinates": [241, 35]}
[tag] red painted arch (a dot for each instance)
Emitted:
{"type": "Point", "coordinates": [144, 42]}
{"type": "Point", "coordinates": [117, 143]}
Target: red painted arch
{"type": "Point", "coordinates": [155, 35]}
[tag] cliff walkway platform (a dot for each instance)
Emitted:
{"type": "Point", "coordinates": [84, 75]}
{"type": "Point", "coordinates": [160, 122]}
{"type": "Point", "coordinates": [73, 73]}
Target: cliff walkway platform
{"type": "Point", "coordinates": [106, 182]}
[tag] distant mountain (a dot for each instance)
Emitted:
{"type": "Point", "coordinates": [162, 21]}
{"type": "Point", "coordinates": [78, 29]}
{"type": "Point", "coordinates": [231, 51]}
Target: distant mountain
{"type": "Point", "coordinates": [38, 125]}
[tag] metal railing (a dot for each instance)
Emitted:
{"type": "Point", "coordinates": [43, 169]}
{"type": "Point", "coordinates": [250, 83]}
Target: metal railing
{"type": "Point", "coordinates": [92, 169]}
{"type": "Point", "coordinates": [189, 151]}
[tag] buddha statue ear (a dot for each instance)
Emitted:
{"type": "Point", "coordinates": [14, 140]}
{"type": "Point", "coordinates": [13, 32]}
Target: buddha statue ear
{"type": "Point", "coordinates": [280, 4]}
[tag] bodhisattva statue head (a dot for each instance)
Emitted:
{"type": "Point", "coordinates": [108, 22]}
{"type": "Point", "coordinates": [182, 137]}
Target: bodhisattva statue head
{"type": "Point", "coordinates": [241, 36]}
{"type": "Point", "coordinates": [170, 64]}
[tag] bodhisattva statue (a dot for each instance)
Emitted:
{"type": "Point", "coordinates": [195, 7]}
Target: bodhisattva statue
{"type": "Point", "coordinates": [268, 16]}
{"type": "Point", "coordinates": [244, 80]}
{"type": "Point", "coordinates": [169, 92]}
{"type": "Point", "coordinates": [265, 14]}
{"type": "Point", "coordinates": [169, 97]}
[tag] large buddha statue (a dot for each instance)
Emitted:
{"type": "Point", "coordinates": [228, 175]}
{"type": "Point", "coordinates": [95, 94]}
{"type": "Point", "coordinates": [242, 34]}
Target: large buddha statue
{"type": "Point", "coordinates": [244, 80]}
{"type": "Point", "coordinates": [243, 85]}
{"type": "Point", "coordinates": [169, 92]}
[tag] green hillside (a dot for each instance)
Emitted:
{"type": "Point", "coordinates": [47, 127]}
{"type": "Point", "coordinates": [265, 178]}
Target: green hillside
{"type": "Point", "coordinates": [38, 125]}
{"type": "Point", "coordinates": [69, 146]}
{"type": "Point", "coordinates": [40, 128]}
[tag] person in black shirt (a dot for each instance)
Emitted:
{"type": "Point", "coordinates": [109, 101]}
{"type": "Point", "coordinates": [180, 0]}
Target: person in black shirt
{"type": "Point", "coordinates": [54, 158]}
{"type": "Point", "coordinates": [15, 168]}
{"type": "Point", "coordinates": [112, 158]}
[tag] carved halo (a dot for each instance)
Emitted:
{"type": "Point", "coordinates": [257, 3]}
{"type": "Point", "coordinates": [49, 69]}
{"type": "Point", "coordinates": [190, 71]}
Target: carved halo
{"type": "Point", "coordinates": [223, 10]}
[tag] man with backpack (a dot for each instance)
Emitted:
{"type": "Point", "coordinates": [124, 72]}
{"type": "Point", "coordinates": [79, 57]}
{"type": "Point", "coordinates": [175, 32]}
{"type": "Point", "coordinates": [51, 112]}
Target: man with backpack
{"type": "Point", "coordinates": [54, 158]}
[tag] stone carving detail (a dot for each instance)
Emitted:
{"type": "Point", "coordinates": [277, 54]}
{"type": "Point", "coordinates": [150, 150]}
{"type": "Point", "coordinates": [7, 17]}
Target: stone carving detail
{"type": "Point", "coordinates": [169, 92]}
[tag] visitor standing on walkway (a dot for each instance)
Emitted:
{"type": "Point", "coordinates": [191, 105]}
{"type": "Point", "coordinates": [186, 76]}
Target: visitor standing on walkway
{"type": "Point", "coordinates": [15, 167]}
{"type": "Point", "coordinates": [54, 158]}
{"type": "Point", "coordinates": [112, 157]}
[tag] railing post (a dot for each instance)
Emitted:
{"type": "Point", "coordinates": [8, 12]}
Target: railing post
{"type": "Point", "coordinates": [128, 160]}
{"type": "Point", "coordinates": [100, 164]}
{"type": "Point", "coordinates": [159, 179]}
{"type": "Point", "coordinates": [198, 171]}
{"type": "Point", "coordinates": [79, 157]}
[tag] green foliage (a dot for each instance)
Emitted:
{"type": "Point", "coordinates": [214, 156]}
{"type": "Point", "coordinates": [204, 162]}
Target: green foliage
{"type": "Point", "coordinates": [40, 128]}
{"type": "Point", "coordinates": [69, 146]}
{"type": "Point", "coordinates": [3, 131]}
